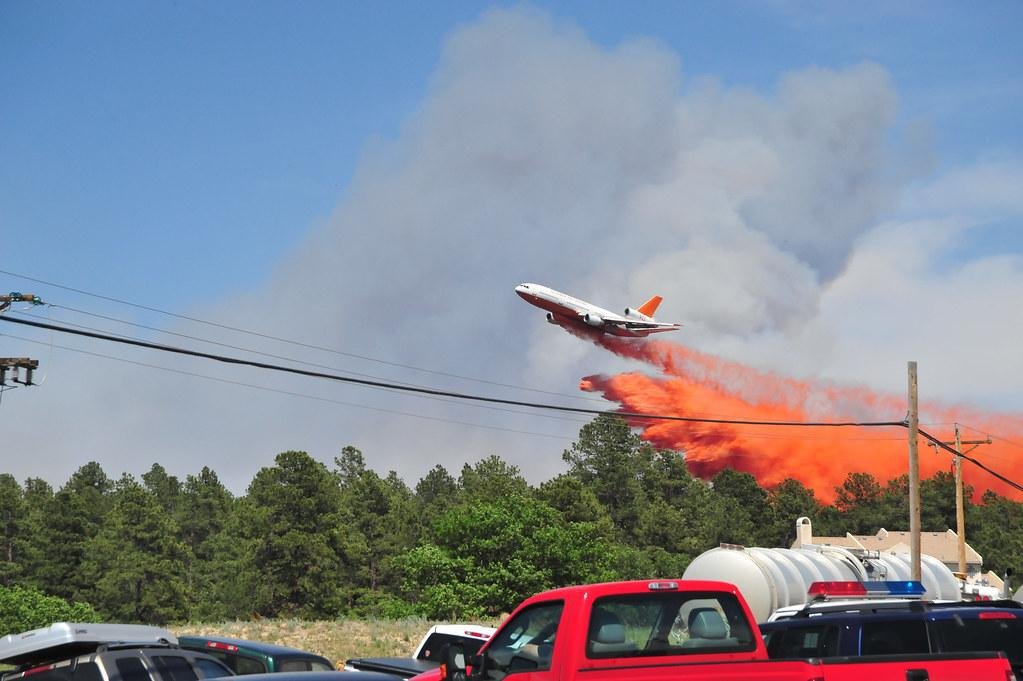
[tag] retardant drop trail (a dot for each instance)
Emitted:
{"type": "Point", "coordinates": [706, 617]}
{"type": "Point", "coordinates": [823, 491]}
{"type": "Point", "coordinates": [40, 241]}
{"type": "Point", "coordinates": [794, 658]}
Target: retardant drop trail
{"type": "Point", "coordinates": [696, 384]}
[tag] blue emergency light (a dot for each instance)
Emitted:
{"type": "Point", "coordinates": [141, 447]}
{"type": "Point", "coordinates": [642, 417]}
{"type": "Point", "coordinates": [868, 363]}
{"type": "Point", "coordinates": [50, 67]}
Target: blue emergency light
{"type": "Point", "coordinates": [907, 588]}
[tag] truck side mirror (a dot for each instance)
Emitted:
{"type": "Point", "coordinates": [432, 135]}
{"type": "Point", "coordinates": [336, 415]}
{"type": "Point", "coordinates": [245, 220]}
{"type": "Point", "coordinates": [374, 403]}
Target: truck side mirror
{"type": "Point", "coordinates": [452, 665]}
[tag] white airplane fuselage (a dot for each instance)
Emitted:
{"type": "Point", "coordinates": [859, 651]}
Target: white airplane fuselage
{"type": "Point", "coordinates": [563, 309]}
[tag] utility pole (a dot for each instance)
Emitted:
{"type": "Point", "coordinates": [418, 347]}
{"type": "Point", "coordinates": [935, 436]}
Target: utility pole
{"type": "Point", "coordinates": [960, 503]}
{"type": "Point", "coordinates": [18, 364]}
{"type": "Point", "coordinates": [15, 297]}
{"type": "Point", "coordinates": [914, 474]}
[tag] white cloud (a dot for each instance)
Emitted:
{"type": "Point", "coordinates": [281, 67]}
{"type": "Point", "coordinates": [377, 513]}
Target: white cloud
{"type": "Point", "coordinates": [539, 156]}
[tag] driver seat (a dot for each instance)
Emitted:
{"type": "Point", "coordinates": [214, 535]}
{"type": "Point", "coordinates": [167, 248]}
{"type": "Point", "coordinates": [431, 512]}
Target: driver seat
{"type": "Point", "coordinates": [607, 634]}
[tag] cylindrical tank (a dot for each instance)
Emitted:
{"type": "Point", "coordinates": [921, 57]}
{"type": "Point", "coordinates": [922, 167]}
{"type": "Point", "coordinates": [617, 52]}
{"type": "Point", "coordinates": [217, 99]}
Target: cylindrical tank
{"type": "Point", "coordinates": [938, 581]}
{"type": "Point", "coordinates": [774, 578]}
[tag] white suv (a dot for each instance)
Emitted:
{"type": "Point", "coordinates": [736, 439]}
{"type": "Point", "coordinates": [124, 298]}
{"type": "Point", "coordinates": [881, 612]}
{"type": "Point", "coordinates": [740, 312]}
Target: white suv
{"type": "Point", "coordinates": [104, 652]}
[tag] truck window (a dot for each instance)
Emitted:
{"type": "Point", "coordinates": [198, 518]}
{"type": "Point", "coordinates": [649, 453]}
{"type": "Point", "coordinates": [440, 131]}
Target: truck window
{"type": "Point", "coordinates": [888, 637]}
{"type": "Point", "coordinates": [300, 665]}
{"type": "Point", "coordinates": [239, 664]}
{"type": "Point", "coordinates": [667, 623]}
{"type": "Point", "coordinates": [525, 643]}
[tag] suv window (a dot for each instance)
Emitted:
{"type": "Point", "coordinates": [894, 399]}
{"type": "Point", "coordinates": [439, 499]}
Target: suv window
{"type": "Point", "coordinates": [208, 668]}
{"type": "Point", "coordinates": [888, 637]}
{"type": "Point", "coordinates": [88, 671]}
{"type": "Point", "coordinates": [131, 669]}
{"type": "Point", "coordinates": [801, 642]}
{"type": "Point", "coordinates": [1003, 633]}
{"type": "Point", "coordinates": [174, 668]}
{"type": "Point", "coordinates": [58, 674]}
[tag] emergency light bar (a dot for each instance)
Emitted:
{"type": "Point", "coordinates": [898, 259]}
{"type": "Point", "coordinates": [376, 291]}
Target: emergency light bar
{"type": "Point", "coordinates": [866, 589]}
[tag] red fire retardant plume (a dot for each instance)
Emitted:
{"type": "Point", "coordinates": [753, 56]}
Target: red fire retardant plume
{"type": "Point", "coordinates": [695, 384]}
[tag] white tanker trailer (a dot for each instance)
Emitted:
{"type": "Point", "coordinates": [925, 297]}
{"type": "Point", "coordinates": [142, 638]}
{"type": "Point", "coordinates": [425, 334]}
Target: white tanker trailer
{"type": "Point", "coordinates": [775, 578]}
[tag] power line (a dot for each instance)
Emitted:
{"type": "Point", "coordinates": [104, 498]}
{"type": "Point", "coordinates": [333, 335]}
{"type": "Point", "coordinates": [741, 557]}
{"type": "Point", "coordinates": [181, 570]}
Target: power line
{"type": "Point", "coordinates": [182, 372]}
{"type": "Point", "coordinates": [433, 391]}
{"type": "Point", "coordinates": [761, 436]}
{"type": "Point", "coordinates": [278, 339]}
{"type": "Point", "coordinates": [290, 359]}
{"type": "Point", "coordinates": [493, 400]}
{"type": "Point", "coordinates": [310, 397]}
{"type": "Point", "coordinates": [201, 340]}
{"type": "Point", "coordinates": [938, 443]}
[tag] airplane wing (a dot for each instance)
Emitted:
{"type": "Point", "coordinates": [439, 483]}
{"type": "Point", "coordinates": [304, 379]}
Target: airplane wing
{"type": "Point", "coordinates": [634, 324]}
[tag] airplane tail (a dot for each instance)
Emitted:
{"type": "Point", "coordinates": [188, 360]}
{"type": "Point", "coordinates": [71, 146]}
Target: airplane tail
{"type": "Point", "coordinates": [649, 307]}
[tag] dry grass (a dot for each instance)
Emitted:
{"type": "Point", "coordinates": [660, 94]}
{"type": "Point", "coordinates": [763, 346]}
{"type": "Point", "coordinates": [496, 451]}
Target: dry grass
{"type": "Point", "coordinates": [337, 640]}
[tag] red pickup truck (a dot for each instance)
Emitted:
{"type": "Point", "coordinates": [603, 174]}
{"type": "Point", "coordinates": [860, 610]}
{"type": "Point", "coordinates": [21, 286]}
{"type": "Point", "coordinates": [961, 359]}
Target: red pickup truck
{"type": "Point", "coordinates": [672, 631]}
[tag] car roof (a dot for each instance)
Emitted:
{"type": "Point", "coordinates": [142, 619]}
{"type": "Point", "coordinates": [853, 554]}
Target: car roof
{"type": "Point", "coordinates": [260, 647]}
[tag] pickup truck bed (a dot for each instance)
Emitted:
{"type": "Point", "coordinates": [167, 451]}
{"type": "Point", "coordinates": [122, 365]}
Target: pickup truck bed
{"type": "Point", "coordinates": [401, 667]}
{"type": "Point", "coordinates": [427, 654]}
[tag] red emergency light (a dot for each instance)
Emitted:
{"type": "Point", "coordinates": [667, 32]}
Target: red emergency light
{"type": "Point", "coordinates": [867, 589]}
{"type": "Point", "coordinates": [1000, 615]}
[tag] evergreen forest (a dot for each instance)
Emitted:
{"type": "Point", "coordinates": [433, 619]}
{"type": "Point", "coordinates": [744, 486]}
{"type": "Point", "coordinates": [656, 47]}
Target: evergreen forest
{"type": "Point", "coordinates": [313, 541]}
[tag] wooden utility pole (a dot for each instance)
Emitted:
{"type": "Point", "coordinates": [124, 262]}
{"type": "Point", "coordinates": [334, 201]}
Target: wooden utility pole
{"type": "Point", "coordinates": [960, 510]}
{"type": "Point", "coordinates": [914, 474]}
{"type": "Point", "coordinates": [960, 502]}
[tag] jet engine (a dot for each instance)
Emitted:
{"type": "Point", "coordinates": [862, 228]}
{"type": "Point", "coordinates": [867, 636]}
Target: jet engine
{"type": "Point", "coordinates": [629, 312]}
{"type": "Point", "coordinates": [593, 320]}
{"type": "Point", "coordinates": [551, 319]}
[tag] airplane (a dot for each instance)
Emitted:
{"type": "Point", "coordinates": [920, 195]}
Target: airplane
{"type": "Point", "coordinates": [563, 309]}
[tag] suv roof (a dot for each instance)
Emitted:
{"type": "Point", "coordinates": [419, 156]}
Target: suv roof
{"type": "Point", "coordinates": [923, 609]}
{"type": "Point", "coordinates": [63, 640]}
{"type": "Point", "coordinates": [853, 607]}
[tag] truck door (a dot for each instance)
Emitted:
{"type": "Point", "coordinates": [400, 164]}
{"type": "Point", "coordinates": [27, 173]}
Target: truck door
{"type": "Point", "coordinates": [523, 649]}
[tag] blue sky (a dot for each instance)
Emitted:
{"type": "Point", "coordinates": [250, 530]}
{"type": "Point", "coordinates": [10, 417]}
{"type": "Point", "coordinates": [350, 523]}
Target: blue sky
{"type": "Point", "coordinates": [156, 138]}
{"type": "Point", "coordinates": [302, 168]}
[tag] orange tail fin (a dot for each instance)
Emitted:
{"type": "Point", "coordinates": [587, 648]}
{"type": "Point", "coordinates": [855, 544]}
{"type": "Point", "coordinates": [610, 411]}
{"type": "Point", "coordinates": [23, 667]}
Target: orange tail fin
{"type": "Point", "coordinates": [649, 307]}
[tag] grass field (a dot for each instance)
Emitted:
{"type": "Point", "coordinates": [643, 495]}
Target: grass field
{"type": "Point", "coordinates": [336, 640]}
